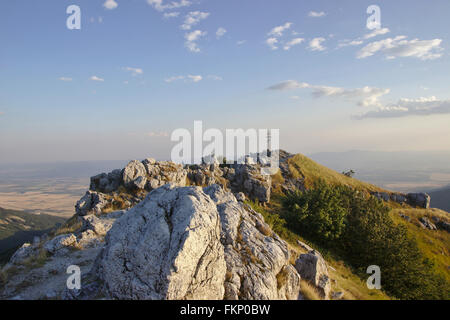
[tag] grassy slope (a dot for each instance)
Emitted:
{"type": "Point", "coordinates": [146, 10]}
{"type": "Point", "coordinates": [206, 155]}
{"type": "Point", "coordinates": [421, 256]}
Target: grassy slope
{"type": "Point", "coordinates": [434, 244]}
{"type": "Point", "coordinates": [18, 227]}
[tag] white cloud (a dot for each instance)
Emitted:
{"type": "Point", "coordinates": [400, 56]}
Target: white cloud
{"type": "Point", "coordinates": [134, 71]}
{"type": "Point", "coordinates": [193, 18]}
{"type": "Point", "coordinates": [110, 4]}
{"type": "Point", "coordinates": [278, 31]}
{"type": "Point", "coordinates": [160, 6]}
{"type": "Point", "coordinates": [292, 43]}
{"type": "Point", "coordinates": [271, 42]}
{"type": "Point", "coordinates": [168, 15]}
{"type": "Point", "coordinates": [410, 107]}
{"type": "Point", "coordinates": [192, 38]}
{"type": "Point", "coordinates": [95, 78]}
{"type": "Point", "coordinates": [348, 43]}
{"type": "Point", "coordinates": [316, 44]}
{"type": "Point", "coordinates": [188, 78]}
{"type": "Point", "coordinates": [220, 32]}
{"type": "Point", "coordinates": [366, 96]}
{"type": "Point", "coordinates": [67, 79]}
{"type": "Point", "coordinates": [376, 32]}
{"type": "Point", "coordinates": [241, 42]}
{"type": "Point", "coordinates": [315, 14]}
{"type": "Point", "coordinates": [401, 47]}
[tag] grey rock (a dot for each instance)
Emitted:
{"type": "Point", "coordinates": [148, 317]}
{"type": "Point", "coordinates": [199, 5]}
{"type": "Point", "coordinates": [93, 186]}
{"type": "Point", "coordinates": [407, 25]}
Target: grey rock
{"type": "Point", "coordinates": [60, 242]}
{"type": "Point", "coordinates": [133, 174]}
{"type": "Point", "coordinates": [25, 252]}
{"type": "Point", "coordinates": [91, 203]}
{"type": "Point", "coordinates": [422, 200]}
{"type": "Point", "coordinates": [312, 267]}
{"type": "Point", "coordinates": [427, 223]}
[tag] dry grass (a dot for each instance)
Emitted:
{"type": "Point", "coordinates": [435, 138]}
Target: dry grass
{"type": "Point", "coordinates": [303, 167]}
{"type": "Point", "coordinates": [308, 291]}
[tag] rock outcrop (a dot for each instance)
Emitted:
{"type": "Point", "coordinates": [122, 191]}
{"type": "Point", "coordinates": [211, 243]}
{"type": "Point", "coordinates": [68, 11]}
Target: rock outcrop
{"type": "Point", "coordinates": [194, 243]}
{"type": "Point", "coordinates": [313, 268]}
{"type": "Point", "coordinates": [421, 200]}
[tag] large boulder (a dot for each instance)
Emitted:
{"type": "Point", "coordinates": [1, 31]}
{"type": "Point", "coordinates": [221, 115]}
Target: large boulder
{"type": "Point", "coordinates": [422, 200]}
{"type": "Point", "coordinates": [167, 247]}
{"type": "Point", "coordinates": [313, 268]}
{"type": "Point", "coordinates": [194, 243]}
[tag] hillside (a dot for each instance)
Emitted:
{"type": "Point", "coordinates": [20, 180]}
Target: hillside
{"type": "Point", "coordinates": [441, 198]}
{"type": "Point", "coordinates": [254, 235]}
{"type": "Point", "coordinates": [18, 227]}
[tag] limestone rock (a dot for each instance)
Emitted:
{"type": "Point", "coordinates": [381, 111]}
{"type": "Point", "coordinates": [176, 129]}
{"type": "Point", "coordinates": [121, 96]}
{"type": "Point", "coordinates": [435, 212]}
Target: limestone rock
{"type": "Point", "coordinates": [60, 242]}
{"type": "Point", "coordinates": [91, 203]}
{"type": "Point", "coordinates": [312, 267]}
{"type": "Point", "coordinates": [106, 182]}
{"type": "Point", "coordinates": [422, 200]}
{"type": "Point", "coordinates": [167, 247]}
{"type": "Point", "coordinates": [133, 174]}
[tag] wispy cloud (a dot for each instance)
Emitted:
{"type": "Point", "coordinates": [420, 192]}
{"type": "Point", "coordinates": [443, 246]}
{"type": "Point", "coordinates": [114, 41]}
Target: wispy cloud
{"type": "Point", "coordinates": [292, 43]}
{"type": "Point", "coordinates": [241, 42]}
{"type": "Point", "coordinates": [410, 107]}
{"type": "Point", "coordinates": [192, 38]}
{"type": "Point", "coordinates": [278, 31]}
{"type": "Point", "coordinates": [193, 18]}
{"type": "Point", "coordinates": [376, 32]}
{"type": "Point", "coordinates": [66, 79]}
{"type": "Point", "coordinates": [315, 14]}
{"type": "Point", "coordinates": [168, 15]}
{"type": "Point", "coordinates": [134, 71]}
{"type": "Point", "coordinates": [188, 78]}
{"type": "Point", "coordinates": [316, 44]}
{"type": "Point", "coordinates": [366, 96]}
{"type": "Point", "coordinates": [220, 32]}
{"type": "Point", "coordinates": [401, 47]}
{"type": "Point", "coordinates": [110, 4]}
{"type": "Point", "coordinates": [95, 78]}
{"type": "Point", "coordinates": [215, 77]}
{"type": "Point", "coordinates": [161, 5]}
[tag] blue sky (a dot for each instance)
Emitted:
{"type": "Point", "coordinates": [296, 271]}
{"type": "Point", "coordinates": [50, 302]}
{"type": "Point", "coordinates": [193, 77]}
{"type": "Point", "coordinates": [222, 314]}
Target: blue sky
{"type": "Point", "coordinates": [118, 87]}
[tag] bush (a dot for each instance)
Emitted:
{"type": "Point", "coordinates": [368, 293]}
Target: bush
{"type": "Point", "coordinates": [360, 230]}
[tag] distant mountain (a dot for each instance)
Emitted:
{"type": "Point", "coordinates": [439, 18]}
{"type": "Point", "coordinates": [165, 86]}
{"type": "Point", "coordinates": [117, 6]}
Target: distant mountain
{"type": "Point", "coordinates": [440, 198]}
{"type": "Point", "coordinates": [18, 227]}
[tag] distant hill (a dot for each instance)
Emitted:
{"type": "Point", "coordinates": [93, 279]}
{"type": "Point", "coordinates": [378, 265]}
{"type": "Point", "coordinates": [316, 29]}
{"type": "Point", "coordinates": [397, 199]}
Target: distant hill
{"type": "Point", "coordinates": [18, 227]}
{"type": "Point", "coordinates": [440, 198]}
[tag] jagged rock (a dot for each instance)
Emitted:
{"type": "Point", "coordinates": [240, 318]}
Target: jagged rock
{"type": "Point", "coordinates": [312, 267]}
{"type": "Point", "coordinates": [133, 174]}
{"type": "Point", "coordinates": [304, 246]}
{"type": "Point", "coordinates": [422, 200]}
{"type": "Point", "coordinates": [399, 198]}
{"type": "Point", "coordinates": [106, 182]}
{"type": "Point", "coordinates": [60, 242]}
{"type": "Point", "coordinates": [91, 203]}
{"type": "Point", "coordinates": [99, 225]}
{"type": "Point", "coordinates": [193, 243]}
{"type": "Point", "coordinates": [23, 253]}
{"type": "Point", "coordinates": [254, 260]}
{"type": "Point", "coordinates": [427, 223]}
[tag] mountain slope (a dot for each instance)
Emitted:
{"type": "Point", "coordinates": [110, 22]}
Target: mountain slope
{"type": "Point", "coordinates": [441, 198]}
{"type": "Point", "coordinates": [18, 227]}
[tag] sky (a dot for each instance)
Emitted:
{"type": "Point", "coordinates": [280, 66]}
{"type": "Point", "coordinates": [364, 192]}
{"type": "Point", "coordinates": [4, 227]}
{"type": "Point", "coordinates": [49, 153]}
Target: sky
{"type": "Point", "coordinates": [139, 69]}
